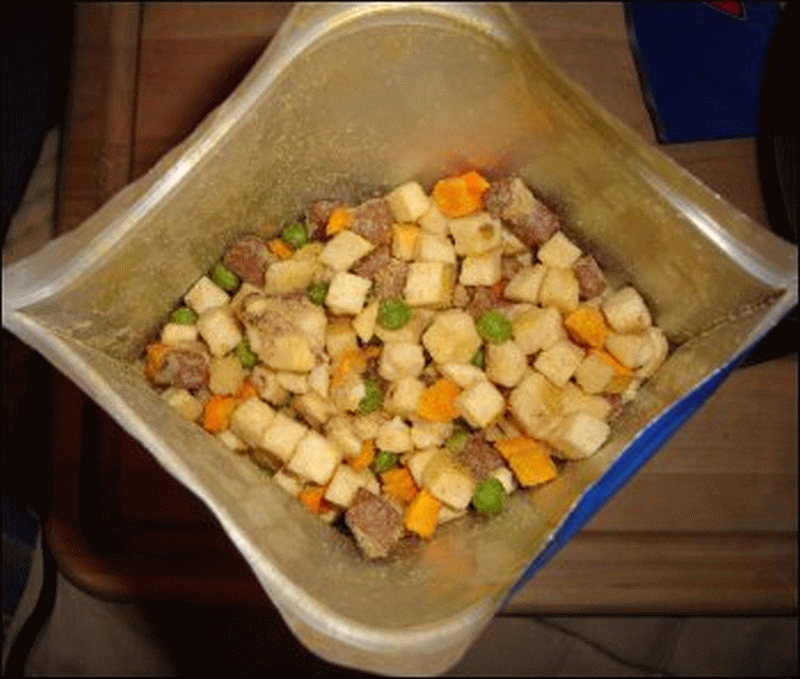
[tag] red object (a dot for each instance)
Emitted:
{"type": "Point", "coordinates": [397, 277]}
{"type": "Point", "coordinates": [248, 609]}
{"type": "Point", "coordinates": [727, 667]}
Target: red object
{"type": "Point", "coordinates": [734, 9]}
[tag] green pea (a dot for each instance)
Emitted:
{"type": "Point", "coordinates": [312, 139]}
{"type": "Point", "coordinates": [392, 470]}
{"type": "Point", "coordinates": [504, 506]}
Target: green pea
{"type": "Point", "coordinates": [393, 313]}
{"type": "Point", "coordinates": [384, 461]}
{"type": "Point", "coordinates": [224, 278]}
{"type": "Point", "coordinates": [245, 354]}
{"type": "Point", "coordinates": [478, 359]}
{"type": "Point", "coordinates": [373, 398]}
{"type": "Point", "coordinates": [184, 316]}
{"type": "Point", "coordinates": [494, 327]}
{"type": "Point", "coordinates": [295, 234]}
{"type": "Point", "coordinates": [317, 292]}
{"type": "Point", "coordinates": [457, 440]}
{"type": "Point", "coordinates": [489, 496]}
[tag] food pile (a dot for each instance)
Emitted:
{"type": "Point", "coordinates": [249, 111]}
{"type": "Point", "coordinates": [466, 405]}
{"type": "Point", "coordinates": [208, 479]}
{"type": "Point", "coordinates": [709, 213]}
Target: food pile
{"type": "Point", "coordinates": [399, 363]}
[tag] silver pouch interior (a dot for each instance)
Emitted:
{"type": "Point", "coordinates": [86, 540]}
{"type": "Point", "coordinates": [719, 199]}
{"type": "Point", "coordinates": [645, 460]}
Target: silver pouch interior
{"type": "Point", "coordinates": [349, 101]}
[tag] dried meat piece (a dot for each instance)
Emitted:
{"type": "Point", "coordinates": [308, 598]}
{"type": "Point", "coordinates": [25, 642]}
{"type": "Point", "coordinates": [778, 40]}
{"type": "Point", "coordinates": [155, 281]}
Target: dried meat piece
{"type": "Point", "coordinates": [479, 457]}
{"type": "Point", "coordinates": [375, 523]}
{"type": "Point", "coordinates": [482, 298]}
{"type": "Point", "coordinates": [373, 220]}
{"type": "Point", "coordinates": [186, 366]}
{"type": "Point", "coordinates": [591, 280]}
{"type": "Point", "coordinates": [318, 214]}
{"type": "Point", "coordinates": [248, 257]}
{"type": "Point", "coordinates": [387, 273]}
{"type": "Point", "coordinates": [530, 220]}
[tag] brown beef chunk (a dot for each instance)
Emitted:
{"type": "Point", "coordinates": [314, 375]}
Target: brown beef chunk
{"type": "Point", "coordinates": [511, 201]}
{"type": "Point", "coordinates": [479, 457]}
{"type": "Point", "coordinates": [387, 273]}
{"type": "Point", "coordinates": [591, 280]}
{"type": "Point", "coordinates": [317, 216]}
{"type": "Point", "coordinates": [180, 366]}
{"type": "Point", "coordinates": [376, 524]}
{"type": "Point", "coordinates": [248, 256]}
{"type": "Point", "coordinates": [373, 220]}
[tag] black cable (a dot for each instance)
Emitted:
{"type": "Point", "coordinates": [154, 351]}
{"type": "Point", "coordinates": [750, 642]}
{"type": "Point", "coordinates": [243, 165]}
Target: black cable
{"type": "Point", "coordinates": [22, 645]}
{"type": "Point", "coordinates": [602, 650]}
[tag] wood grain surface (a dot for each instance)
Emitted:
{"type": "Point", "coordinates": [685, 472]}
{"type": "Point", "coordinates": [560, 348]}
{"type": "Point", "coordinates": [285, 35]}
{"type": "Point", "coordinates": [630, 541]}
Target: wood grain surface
{"type": "Point", "coordinates": [708, 525]}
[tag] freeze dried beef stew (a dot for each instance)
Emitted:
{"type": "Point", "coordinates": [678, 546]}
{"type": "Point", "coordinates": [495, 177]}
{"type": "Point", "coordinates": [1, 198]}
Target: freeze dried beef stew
{"type": "Point", "coordinates": [410, 359]}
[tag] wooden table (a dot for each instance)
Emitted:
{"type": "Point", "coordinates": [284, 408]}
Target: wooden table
{"type": "Point", "coordinates": [708, 526]}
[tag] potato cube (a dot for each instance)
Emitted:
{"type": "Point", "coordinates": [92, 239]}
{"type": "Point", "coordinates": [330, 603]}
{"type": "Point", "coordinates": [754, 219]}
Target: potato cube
{"type": "Point", "coordinates": [660, 348]}
{"type": "Point", "coordinates": [559, 251]}
{"type": "Point", "coordinates": [559, 289]}
{"type": "Point", "coordinates": [364, 322]}
{"type": "Point", "coordinates": [243, 293]}
{"type": "Point", "coordinates": [182, 401]}
{"type": "Point", "coordinates": [405, 241]}
{"type": "Point", "coordinates": [250, 419]}
{"type": "Point", "coordinates": [404, 397]}
{"type": "Point", "coordinates": [632, 350]}
{"type": "Point", "coordinates": [231, 441]}
{"type": "Point", "coordinates": [623, 375]}
{"type": "Point", "coordinates": [289, 482]}
{"type": "Point", "coordinates": [408, 202]}
{"type": "Point", "coordinates": [417, 461]}
{"type": "Point", "coordinates": [537, 329]}
{"type": "Point", "coordinates": [348, 394]}
{"type": "Point", "coordinates": [433, 221]}
{"type": "Point", "coordinates": [626, 311]}
{"type": "Point", "coordinates": [339, 337]}
{"type": "Point", "coordinates": [435, 248]}
{"type": "Point", "coordinates": [295, 383]}
{"type": "Point", "coordinates": [534, 402]}
{"type": "Point", "coordinates": [450, 484]}
{"type": "Point", "coordinates": [481, 404]}
{"type": "Point", "coordinates": [219, 330]}
{"type": "Point", "coordinates": [482, 269]}
{"type": "Point", "coordinates": [288, 352]}
{"type": "Point", "coordinates": [316, 409]}
{"type": "Point", "coordinates": [366, 426]}
{"type": "Point", "coordinates": [347, 293]}
{"type": "Point", "coordinates": [282, 436]}
{"type": "Point", "coordinates": [177, 333]}
{"type": "Point", "coordinates": [525, 285]}
{"type": "Point", "coordinates": [574, 400]}
{"type": "Point", "coordinates": [319, 379]}
{"type": "Point", "coordinates": [448, 514]}
{"type": "Point", "coordinates": [394, 436]}
{"type": "Point", "coordinates": [463, 374]}
{"type": "Point", "coordinates": [401, 359]}
{"type": "Point", "coordinates": [452, 337]}
{"type": "Point", "coordinates": [511, 244]}
{"type": "Point", "coordinates": [290, 275]}
{"type": "Point", "coordinates": [205, 295]}
{"type": "Point", "coordinates": [593, 375]}
{"type": "Point", "coordinates": [505, 363]}
{"type": "Point", "coordinates": [315, 458]}
{"type": "Point", "coordinates": [340, 430]}
{"type": "Point", "coordinates": [266, 382]}
{"type": "Point", "coordinates": [476, 234]}
{"type": "Point", "coordinates": [559, 362]}
{"type": "Point", "coordinates": [430, 434]}
{"type": "Point", "coordinates": [430, 284]}
{"type": "Point", "coordinates": [225, 374]}
{"type": "Point", "coordinates": [579, 436]}
{"type": "Point", "coordinates": [344, 250]}
{"type": "Point", "coordinates": [504, 476]}
{"type": "Point", "coordinates": [344, 485]}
